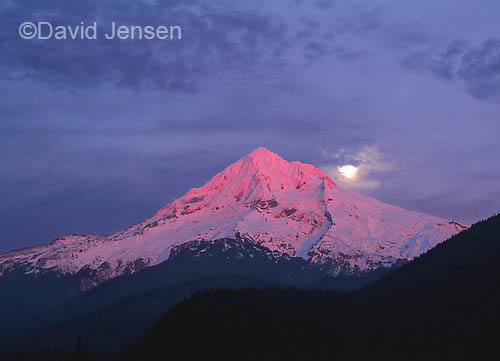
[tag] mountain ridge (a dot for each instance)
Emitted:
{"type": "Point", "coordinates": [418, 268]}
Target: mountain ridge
{"type": "Point", "coordinates": [292, 208]}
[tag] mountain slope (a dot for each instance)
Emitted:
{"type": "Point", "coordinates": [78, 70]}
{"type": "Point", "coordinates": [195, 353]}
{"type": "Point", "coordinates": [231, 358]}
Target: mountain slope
{"type": "Point", "coordinates": [55, 314]}
{"type": "Point", "coordinates": [442, 306]}
{"type": "Point", "coordinates": [113, 327]}
{"type": "Point", "coordinates": [291, 208]}
{"type": "Point", "coordinates": [463, 268]}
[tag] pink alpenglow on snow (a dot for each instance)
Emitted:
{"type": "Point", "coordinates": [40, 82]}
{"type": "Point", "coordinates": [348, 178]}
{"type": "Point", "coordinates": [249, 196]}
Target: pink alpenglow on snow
{"type": "Point", "coordinates": [294, 209]}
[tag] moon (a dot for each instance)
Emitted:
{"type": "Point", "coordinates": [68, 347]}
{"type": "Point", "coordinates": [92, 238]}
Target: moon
{"type": "Point", "coordinates": [348, 171]}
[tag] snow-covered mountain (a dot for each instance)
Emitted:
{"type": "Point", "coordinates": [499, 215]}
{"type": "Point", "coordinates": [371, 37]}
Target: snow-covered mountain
{"type": "Point", "coordinates": [292, 209]}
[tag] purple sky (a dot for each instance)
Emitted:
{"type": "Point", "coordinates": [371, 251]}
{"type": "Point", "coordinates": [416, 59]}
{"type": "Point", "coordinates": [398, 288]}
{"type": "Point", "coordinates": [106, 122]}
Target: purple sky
{"type": "Point", "coordinates": [96, 135]}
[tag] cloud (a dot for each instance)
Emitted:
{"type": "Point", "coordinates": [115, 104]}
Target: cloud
{"type": "Point", "coordinates": [480, 70]}
{"type": "Point", "coordinates": [314, 50]}
{"type": "Point", "coordinates": [218, 38]}
{"type": "Point", "coordinates": [347, 54]}
{"type": "Point", "coordinates": [441, 63]}
{"type": "Point", "coordinates": [324, 4]}
{"type": "Point", "coordinates": [477, 67]}
{"type": "Point", "coordinates": [369, 161]}
{"type": "Point", "coordinates": [214, 38]}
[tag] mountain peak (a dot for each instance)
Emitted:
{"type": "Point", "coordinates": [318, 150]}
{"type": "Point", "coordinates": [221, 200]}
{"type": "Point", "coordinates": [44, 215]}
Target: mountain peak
{"type": "Point", "coordinates": [264, 158]}
{"type": "Point", "coordinates": [263, 153]}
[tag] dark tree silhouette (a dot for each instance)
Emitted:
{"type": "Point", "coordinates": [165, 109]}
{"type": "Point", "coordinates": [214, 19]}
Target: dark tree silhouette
{"type": "Point", "coordinates": [80, 352]}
